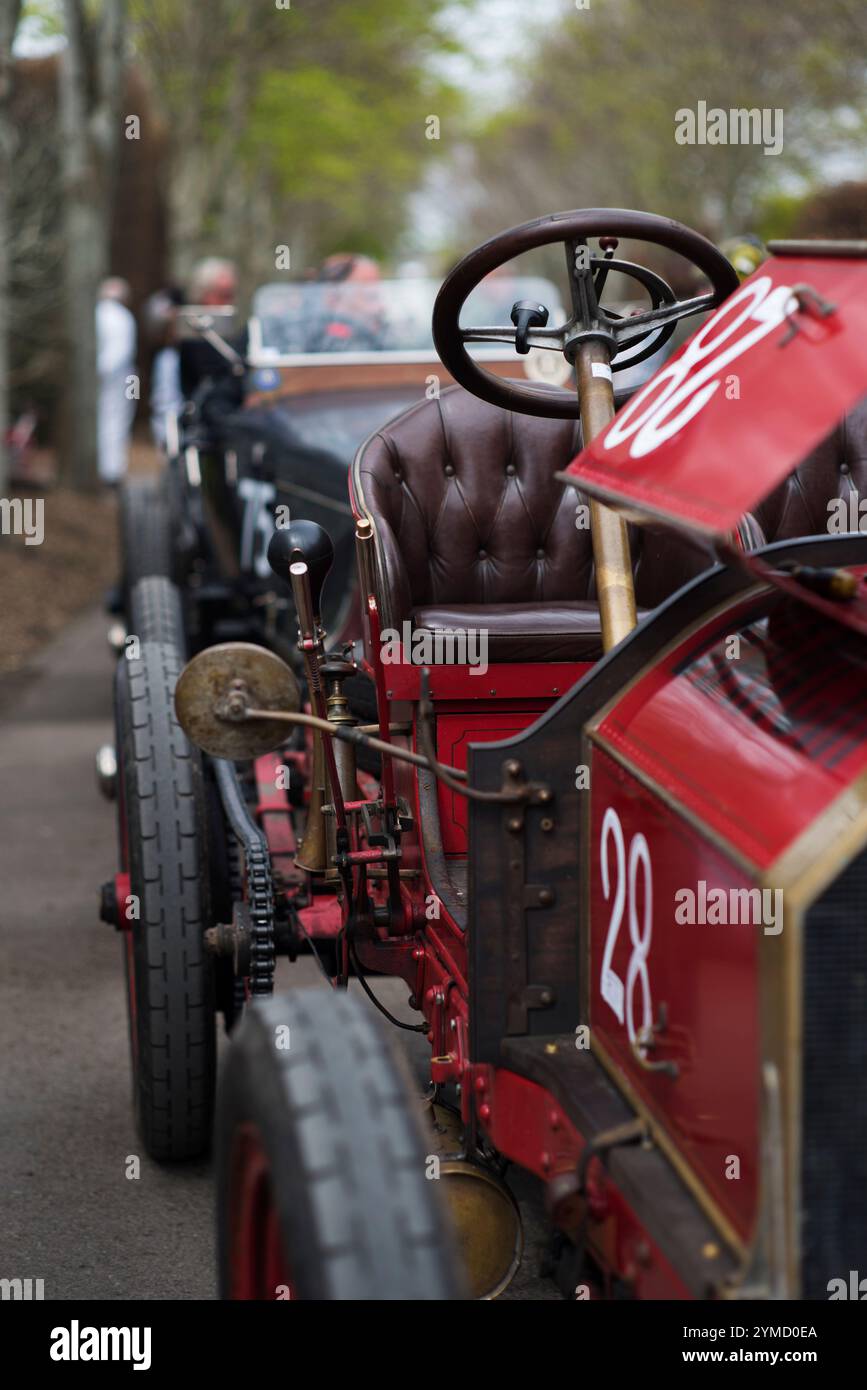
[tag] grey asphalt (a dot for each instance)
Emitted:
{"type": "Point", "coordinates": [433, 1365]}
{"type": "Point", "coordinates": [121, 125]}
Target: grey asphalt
{"type": "Point", "coordinates": [69, 1214]}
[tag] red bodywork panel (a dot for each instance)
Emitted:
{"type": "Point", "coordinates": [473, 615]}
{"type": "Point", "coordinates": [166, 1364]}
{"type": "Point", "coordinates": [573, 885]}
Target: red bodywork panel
{"type": "Point", "coordinates": [745, 386]}
{"type": "Point", "coordinates": [474, 708]}
{"type": "Point", "coordinates": [457, 727]}
{"type": "Point", "coordinates": [702, 979]}
{"type": "Point", "coordinates": [703, 774]}
{"type": "Point", "coordinates": [518, 681]}
{"type": "Point", "coordinates": [687, 724]}
{"type": "Point", "coordinates": [523, 1121]}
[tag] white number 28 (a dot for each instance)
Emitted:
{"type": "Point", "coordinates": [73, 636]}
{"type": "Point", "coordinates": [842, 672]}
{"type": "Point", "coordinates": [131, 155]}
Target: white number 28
{"type": "Point", "coordinates": [619, 998]}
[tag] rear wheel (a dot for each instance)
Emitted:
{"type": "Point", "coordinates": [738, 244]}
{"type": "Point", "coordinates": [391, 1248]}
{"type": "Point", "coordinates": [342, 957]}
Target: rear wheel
{"type": "Point", "coordinates": [321, 1168]}
{"type": "Point", "coordinates": [170, 976]}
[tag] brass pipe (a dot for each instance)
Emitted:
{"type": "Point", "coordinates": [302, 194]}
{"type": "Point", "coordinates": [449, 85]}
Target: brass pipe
{"type": "Point", "coordinates": [364, 550]}
{"type": "Point", "coordinates": [615, 586]}
{"type": "Point", "coordinates": [324, 726]}
{"type": "Point", "coordinates": [312, 854]}
{"type": "Point", "coordinates": [310, 645]}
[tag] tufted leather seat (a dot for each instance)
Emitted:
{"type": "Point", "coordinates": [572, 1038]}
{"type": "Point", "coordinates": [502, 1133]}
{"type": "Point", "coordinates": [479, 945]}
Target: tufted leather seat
{"type": "Point", "coordinates": [836, 469]}
{"type": "Point", "coordinates": [473, 530]}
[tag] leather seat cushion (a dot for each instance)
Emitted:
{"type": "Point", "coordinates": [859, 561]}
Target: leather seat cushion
{"type": "Point", "coordinates": [561, 631]}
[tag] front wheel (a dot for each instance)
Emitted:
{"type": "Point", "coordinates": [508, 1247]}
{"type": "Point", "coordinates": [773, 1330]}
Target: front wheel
{"type": "Point", "coordinates": [322, 1190]}
{"type": "Point", "coordinates": [170, 977]}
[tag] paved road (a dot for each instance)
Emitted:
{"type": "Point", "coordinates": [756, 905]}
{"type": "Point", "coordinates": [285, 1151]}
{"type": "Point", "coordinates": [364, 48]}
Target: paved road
{"type": "Point", "coordinates": [68, 1213]}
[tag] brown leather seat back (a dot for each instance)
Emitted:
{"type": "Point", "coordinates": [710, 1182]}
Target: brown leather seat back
{"type": "Point", "coordinates": [467, 508]}
{"type": "Point", "coordinates": [831, 473]}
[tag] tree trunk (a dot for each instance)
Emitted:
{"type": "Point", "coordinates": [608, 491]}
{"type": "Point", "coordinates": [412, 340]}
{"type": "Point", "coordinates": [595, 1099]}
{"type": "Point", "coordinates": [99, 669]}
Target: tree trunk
{"type": "Point", "coordinates": [9, 14]}
{"type": "Point", "coordinates": [90, 94]}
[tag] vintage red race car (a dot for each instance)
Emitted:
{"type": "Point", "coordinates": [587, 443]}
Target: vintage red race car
{"type": "Point", "coordinates": [609, 821]}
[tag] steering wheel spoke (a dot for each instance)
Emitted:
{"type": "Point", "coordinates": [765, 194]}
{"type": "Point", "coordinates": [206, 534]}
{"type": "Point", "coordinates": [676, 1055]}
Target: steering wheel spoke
{"type": "Point", "coordinates": [537, 337]}
{"type": "Point", "coordinates": [667, 314]}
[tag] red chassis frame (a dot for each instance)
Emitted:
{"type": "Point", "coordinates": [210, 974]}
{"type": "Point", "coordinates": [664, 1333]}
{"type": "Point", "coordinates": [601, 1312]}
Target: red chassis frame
{"type": "Point", "coordinates": [428, 948]}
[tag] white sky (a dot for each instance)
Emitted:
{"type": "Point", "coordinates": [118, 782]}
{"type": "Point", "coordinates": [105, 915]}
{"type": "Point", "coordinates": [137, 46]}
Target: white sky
{"type": "Point", "coordinates": [492, 32]}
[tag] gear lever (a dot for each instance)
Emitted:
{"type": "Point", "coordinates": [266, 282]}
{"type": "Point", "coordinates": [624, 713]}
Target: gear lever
{"type": "Point", "coordinates": [308, 542]}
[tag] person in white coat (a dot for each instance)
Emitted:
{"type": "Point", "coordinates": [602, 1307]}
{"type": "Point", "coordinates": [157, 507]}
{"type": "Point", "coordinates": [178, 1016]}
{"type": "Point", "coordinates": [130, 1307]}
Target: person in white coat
{"type": "Point", "coordinates": [116, 368]}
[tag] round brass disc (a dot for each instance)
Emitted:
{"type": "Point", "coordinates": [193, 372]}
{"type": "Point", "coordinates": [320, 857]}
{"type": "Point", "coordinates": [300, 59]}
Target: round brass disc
{"type": "Point", "coordinates": [205, 684]}
{"type": "Point", "coordinates": [488, 1225]}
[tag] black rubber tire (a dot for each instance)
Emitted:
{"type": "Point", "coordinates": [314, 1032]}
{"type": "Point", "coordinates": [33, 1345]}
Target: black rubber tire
{"type": "Point", "coordinates": [156, 613]}
{"type": "Point", "coordinates": [170, 976]}
{"type": "Point", "coordinates": [145, 532]}
{"type": "Point", "coordinates": [340, 1129]}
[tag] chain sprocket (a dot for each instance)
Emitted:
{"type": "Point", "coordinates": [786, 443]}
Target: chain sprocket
{"type": "Point", "coordinates": [257, 885]}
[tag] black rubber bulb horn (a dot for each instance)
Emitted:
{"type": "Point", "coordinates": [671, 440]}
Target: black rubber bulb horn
{"type": "Point", "coordinates": [303, 541]}
{"type": "Point", "coordinates": [527, 314]}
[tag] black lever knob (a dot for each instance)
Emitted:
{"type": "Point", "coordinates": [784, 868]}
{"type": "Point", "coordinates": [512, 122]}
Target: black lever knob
{"type": "Point", "coordinates": [527, 314]}
{"type": "Point", "coordinates": [307, 541]}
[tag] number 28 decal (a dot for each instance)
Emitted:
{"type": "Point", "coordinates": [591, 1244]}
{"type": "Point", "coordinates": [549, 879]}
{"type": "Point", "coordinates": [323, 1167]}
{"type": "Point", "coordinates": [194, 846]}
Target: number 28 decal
{"type": "Point", "coordinates": [622, 895]}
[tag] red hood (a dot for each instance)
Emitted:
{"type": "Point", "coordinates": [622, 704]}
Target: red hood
{"type": "Point", "coordinates": [743, 401]}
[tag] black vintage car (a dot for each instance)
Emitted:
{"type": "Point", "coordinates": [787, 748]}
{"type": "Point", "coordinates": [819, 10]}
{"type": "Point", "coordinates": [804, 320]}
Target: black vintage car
{"type": "Point", "coordinates": [269, 438]}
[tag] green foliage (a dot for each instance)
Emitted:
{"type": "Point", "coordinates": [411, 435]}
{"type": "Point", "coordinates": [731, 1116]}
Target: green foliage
{"type": "Point", "coordinates": [40, 20]}
{"type": "Point", "coordinates": [317, 112]}
{"type": "Point", "coordinates": [777, 215]}
{"type": "Point", "coordinates": [594, 117]}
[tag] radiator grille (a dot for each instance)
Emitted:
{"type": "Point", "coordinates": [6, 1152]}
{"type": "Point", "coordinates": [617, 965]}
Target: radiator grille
{"type": "Point", "coordinates": [834, 1115]}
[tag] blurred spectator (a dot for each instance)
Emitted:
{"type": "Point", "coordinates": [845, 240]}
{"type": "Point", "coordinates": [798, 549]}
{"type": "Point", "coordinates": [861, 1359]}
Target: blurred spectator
{"type": "Point", "coordinates": [214, 283]}
{"type": "Point", "coordinates": [160, 320]}
{"type": "Point", "coordinates": [348, 265]}
{"type": "Point", "coordinates": [115, 364]}
{"type": "Point", "coordinates": [354, 317]}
